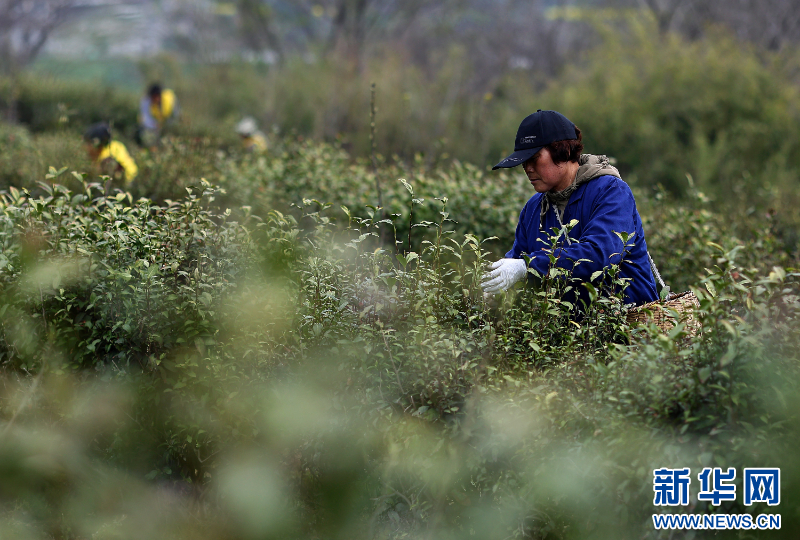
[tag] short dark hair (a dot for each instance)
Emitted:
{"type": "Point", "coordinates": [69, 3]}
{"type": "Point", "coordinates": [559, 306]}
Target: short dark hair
{"type": "Point", "coordinates": [155, 90]}
{"type": "Point", "coordinates": [570, 150]}
{"type": "Point", "coordinates": [98, 135]}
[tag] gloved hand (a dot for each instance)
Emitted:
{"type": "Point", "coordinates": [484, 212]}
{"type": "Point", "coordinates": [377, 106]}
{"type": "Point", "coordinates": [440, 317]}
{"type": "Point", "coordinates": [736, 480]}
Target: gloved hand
{"type": "Point", "coordinates": [504, 274]}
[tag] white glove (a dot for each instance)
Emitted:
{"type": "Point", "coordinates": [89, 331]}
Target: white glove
{"type": "Point", "coordinates": [504, 274]}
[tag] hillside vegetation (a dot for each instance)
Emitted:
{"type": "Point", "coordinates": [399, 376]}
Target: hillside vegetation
{"type": "Point", "coordinates": [250, 346]}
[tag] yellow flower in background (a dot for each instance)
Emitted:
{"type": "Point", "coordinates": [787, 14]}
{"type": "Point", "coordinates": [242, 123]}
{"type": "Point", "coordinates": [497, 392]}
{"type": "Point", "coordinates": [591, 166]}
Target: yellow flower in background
{"type": "Point", "coordinates": [225, 9]}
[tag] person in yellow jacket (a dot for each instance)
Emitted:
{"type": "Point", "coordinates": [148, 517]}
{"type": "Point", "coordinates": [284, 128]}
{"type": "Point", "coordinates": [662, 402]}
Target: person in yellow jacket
{"type": "Point", "coordinates": [156, 109]}
{"type": "Point", "coordinates": [252, 139]}
{"type": "Point", "coordinates": [109, 156]}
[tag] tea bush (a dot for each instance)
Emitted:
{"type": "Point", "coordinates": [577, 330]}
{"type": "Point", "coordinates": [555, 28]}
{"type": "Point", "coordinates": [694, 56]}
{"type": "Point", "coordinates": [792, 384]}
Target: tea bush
{"type": "Point", "coordinates": [662, 105]}
{"type": "Point", "coordinates": [283, 369]}
{"type": "Point", "coordinates": [48, 104]}
{"type": "Point", "coordinates": [295, 344]}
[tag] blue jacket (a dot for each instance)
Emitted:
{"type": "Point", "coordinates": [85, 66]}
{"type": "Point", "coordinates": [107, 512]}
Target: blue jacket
{"type": "Point", "coordinates": [601, 206]}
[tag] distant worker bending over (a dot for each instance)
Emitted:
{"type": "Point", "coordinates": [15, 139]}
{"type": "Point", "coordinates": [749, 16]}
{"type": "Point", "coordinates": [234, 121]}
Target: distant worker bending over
{"type": "Point", "coordinates": [158, 108]}
{"type": "Point", "coordinates": [253, 140]}
{"type": "Point", "coordinates": [110, 157]}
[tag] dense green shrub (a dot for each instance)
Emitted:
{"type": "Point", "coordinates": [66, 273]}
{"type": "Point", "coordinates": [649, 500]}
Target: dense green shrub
{"type": "Point", "coordinates": [26, 159]}
{"type": "Point", "coordinates": [178, 164]}
{"type": "Point", "coordinates": [716, 109]}
{"type": "Point", "coordinates": [99, 248]}
{"type": "Point", "coordinates": [48, 104]}
{"type": "Point", "coordinates": [298, 377]}
{"type": "Point", "coordinates": [483, 203]}
{"type": "Point", "coordinates": [247, 346]}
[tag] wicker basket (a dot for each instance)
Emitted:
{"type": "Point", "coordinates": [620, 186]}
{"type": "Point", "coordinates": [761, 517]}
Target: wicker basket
{"type": "Point", "coordinates": [661, 313]}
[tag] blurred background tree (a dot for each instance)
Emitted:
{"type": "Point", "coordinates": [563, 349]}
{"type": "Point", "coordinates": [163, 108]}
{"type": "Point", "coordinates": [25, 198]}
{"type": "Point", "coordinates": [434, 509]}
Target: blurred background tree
{"type": "Point", "coordinates": [25, 27]}
{"type": "Point", "coordinates": [454, 77]}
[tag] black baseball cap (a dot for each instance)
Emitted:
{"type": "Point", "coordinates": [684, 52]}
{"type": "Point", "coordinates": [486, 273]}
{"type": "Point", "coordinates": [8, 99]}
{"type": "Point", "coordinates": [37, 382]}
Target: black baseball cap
{"type": "Point", "coordinates": [535, 132]}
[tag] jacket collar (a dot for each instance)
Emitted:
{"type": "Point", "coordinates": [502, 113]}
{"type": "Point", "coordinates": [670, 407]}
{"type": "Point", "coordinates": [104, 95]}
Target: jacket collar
{"type": "Point", "coordinates": [578, 195]}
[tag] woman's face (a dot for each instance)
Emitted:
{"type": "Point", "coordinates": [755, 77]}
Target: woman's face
{"type": "Point", "coordinates": [92, 151]}
{"type": "Point", "coordinates": [544, 175]}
